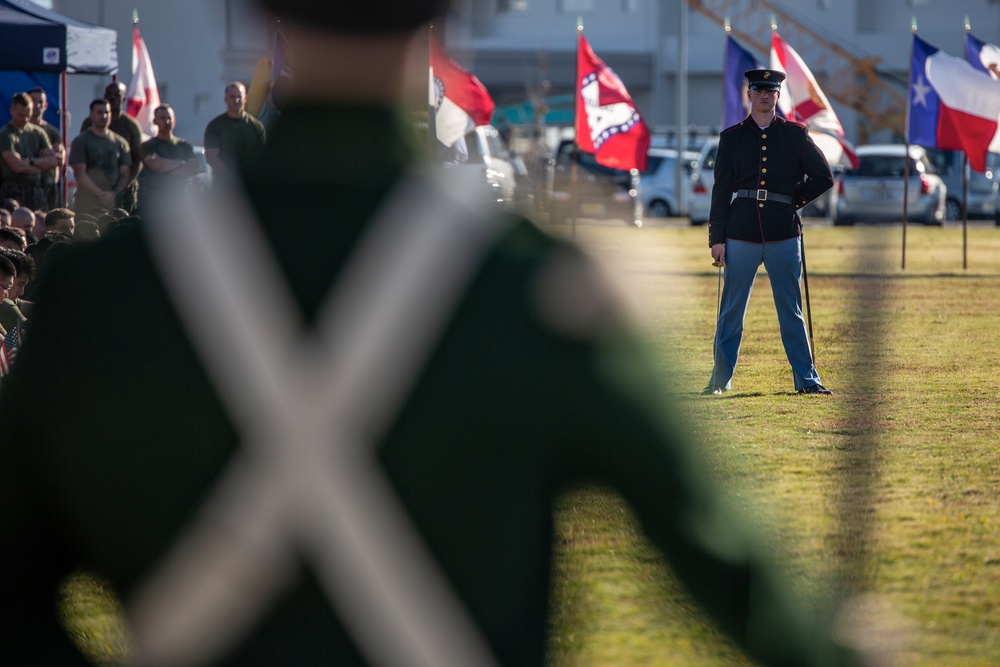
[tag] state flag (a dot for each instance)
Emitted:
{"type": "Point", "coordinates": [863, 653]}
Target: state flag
{"type": "Point", "coordinates": [608, 124]}
{"type": "Point", "coordinates": [458, 100]}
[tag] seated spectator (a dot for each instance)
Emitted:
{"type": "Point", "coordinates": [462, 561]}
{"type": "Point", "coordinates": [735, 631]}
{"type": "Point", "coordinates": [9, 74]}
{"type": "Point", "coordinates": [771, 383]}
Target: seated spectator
{"type": "Point", "coordinates": [11, 313]}
{"type": "Point", "coordinates": [60, 220]}
{"type": "Point", "coordinates": [13, 238]}
{"type": "Point", "coordinates": [105, 222]}
{"type": "Point", "coordinates": [87, 230]}
{"type": "Point", "coordinates": [7, 275]}
{"type": "Point", "coordinates": [40, 255]}
{"type": "Point", "coordinates": [24, 219]}
{"type": "Point", "coordinates": [10, 204]}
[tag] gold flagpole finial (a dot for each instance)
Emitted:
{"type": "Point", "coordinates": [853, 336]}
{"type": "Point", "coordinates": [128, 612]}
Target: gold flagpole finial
{"type": "Point", "coordinates": [913, 23]}
{"type": "Point", "coordinates": [135, 17]}
{"type": "Point", "coordinates": [727, 27]}
{"type": "Point", "coordinates": [774, 22]}
{"type": "Point", "coordinates": [579, 24]}
{"type": "Point", "coordinates": [968, 26]}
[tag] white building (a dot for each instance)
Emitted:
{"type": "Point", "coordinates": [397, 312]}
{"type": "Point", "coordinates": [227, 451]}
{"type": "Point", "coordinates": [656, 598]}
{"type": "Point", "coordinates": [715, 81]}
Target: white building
{"type": "Point", "coordinates": [524, 48]}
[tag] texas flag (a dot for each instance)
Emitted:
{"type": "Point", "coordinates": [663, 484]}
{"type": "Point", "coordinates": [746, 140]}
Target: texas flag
{"type": "Point", "coordinates": [803, 101]}
{"type": "Point", "coordinates": [952, 105]}
{"type": "Point", "coordinates": [458, 100]}
{"type": "Point", "coordinates": [143, 95]}
{"type": "Point", "coordinates": [607, 121]}
{"type": "Point", "coordinates": [982, 55]}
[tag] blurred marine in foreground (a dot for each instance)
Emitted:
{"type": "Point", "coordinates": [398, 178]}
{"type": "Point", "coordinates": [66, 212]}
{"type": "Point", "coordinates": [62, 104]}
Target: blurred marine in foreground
{"type": "Point", "coordinates": [338, 443]}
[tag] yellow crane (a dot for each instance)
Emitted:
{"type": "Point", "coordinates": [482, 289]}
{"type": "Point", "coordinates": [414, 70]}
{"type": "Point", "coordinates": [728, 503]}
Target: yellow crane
{"type": "Point", "coordinates": [848, 78]}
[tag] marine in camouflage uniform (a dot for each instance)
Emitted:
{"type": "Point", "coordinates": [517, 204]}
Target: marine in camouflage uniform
{"type": "Point", "coordinates": [25, 151]}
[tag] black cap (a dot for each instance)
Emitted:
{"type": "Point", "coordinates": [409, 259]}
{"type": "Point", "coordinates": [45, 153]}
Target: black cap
{"type": "Point", "coordinates": [765, 79]}
{"type": "Point", "coordinates": [369, 17]}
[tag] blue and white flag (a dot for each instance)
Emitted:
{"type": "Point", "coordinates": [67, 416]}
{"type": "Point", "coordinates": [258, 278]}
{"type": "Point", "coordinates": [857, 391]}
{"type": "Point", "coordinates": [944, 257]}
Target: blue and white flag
{"type": "Point", "coordinates": [982, 55]}
{"type": "Point", "coordinates": [735, 105]}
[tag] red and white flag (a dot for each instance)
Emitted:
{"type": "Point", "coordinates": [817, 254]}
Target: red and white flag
{"type": "Point", "coordinates": [953, 104]}
{"type": "Point", "coordinates": [143, 95]}
{"type": "Point", "coordinates": [608, 123]}
{"type": "Point", "coordinates": [458, 100]}
{"type": "Point", "coordinates": [803, 101]}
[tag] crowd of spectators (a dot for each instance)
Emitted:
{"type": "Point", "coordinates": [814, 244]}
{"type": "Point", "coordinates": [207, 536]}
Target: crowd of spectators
{"type": "Point", "coordinates": [120, 175]}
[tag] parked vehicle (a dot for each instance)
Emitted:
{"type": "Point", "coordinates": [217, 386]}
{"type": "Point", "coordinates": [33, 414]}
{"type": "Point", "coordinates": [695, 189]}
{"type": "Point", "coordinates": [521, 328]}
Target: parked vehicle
{"type": "Point", "coordinates": [599, 191]}
{"type": "Point", "coordinates": [703, 179]}
{"type": "Point", "coordinates": [485, 152]}
{"type": "Point", "coordinates": [982, 188]}
{"type": "Point", "coordinates": [657, 185]}
{"type": "Point", "coordinates": [874, 191]}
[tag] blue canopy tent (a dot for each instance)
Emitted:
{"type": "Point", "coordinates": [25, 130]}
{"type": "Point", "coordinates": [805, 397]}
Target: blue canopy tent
{"type": "Point", "coordinates": [42, 46]}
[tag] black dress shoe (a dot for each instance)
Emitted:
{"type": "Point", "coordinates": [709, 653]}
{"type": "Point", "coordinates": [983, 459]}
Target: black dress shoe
{"type": "Point", "coordinates": [816, 389]}
{"type": "Point", "coordinates": [713, 390]}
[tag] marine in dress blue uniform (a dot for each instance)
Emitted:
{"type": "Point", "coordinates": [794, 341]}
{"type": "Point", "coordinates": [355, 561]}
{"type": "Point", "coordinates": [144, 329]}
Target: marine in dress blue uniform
{"type": "Point", "coordinates": [767, 169]}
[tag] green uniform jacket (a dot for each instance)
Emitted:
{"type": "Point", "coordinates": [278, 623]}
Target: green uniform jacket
{"type": "Point", "coordinates": [513, 403]}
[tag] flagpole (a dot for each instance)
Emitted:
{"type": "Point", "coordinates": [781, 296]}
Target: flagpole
{"type": "Point", "coordinates": [574, 173]}
{"type": "Point", "coordinates": [431, 119]}
{"type": "Point", "coordinates": [63, 199]}
{"type": "Point", "coordinates": [906, 155]}
{"type": "Point", "coordinates": [727, 28]}
{"type": "Point", "coordinates": [965, 184]}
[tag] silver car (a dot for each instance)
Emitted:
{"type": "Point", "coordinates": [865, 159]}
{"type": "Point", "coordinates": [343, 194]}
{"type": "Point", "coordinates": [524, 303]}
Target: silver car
{"type": "Point", "coordinates": [657, 183]}
{"type": "Point", "coordinates": [981, 188]}
{"type": "Point", "coordinates": [874, 191]}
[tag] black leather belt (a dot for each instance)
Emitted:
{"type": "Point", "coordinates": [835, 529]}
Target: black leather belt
{"type": "Point", "coordinates": [764, 195]}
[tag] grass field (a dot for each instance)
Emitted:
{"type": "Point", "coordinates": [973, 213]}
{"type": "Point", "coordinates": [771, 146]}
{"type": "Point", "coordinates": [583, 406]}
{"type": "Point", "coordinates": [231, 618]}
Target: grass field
{"type": "Point", "coordinates": [891, 486]}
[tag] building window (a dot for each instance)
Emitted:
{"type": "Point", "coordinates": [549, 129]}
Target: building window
{"type": "Point", "coordinates": [577, 6]}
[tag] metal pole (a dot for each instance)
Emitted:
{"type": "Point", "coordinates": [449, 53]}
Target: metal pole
{"type": "Point", "coordinates": [965, 211]}
{"type": "Point", "coordinates": [680, 174]}
{"type": "Point", "coordinates": [805, 282]}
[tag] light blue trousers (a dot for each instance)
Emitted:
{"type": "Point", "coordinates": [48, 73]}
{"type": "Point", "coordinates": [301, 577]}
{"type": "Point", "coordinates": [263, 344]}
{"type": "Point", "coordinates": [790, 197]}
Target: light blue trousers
{"type": "Point", "coordinates": [783, 261]}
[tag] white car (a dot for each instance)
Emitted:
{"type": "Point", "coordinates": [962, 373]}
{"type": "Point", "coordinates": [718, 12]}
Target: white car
{"type": "Point", "coordinates": [702, 180]}
{"type": "Point", "coordinates": [657, 185]}
{"type": "Point", "coordinates": [485, 152]}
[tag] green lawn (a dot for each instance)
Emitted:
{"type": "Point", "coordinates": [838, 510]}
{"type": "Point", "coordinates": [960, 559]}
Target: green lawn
{"type": "Point", "coordinates": [892, 486]}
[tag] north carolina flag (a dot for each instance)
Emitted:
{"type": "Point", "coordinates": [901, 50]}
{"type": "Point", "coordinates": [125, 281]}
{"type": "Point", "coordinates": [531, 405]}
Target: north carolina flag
{"type": "Point", "coordinates": [458, 100]}
{"type": "Point", "coordinates": [982, 55]}
{"type": "Point", "coordinates": [607, 121]}
{"type": "Point", "coordinates": [143, 95]}
{"type": "Point", "coordinates": [952, 105]}
{"type": "Point", "coordinates": [803, 101]}
{"type": "Point", "coordinates": [735, 105]}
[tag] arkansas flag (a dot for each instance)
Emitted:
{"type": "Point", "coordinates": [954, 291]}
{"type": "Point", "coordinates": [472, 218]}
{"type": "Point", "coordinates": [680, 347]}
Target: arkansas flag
{"type": "Point", "coordinates": [952, 105]}
{"type": "Point", "coordinates": [607, 122]}
{"type": "Point", "coordinates": [143, 95]}
{"type": "Point", "coordinates": [458, 100]}
{"type": "Point", "coordinates": [982, 55]}
{"type": "Point", "coordinates": [803, 101]}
